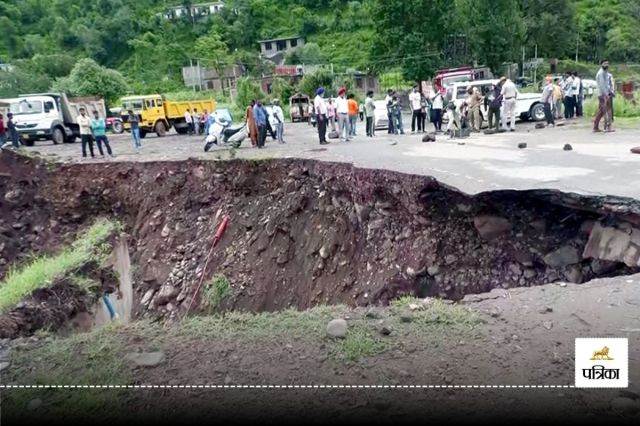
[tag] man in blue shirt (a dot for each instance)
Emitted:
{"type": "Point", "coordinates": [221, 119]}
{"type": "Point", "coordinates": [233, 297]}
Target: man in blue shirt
{"type": "Point", "coordinates": [99, 130]}
{"type": "Point", "coordinates": [260, 117]}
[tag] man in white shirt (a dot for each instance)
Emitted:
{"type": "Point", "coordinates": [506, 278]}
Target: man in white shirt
{"type": "Point", "coordinates": [279, 116]}
{"type": "Point", "coordinates": [577, 94]}
{"type": "Point", "coordinates": [415, 99]}
{"type": "Point", "coordinates": [509, 95]}
{"type": "Point", "coordinates": [321, 115]}
{"type": "Point", "coordinates": [342, 107]}
{"type": "Point", "coordinates": [437, 105]}
{"type": "Point", "coordinates": [188, 120]}
{"type": "Point", "coordinates": [568, 96]}
{"type": "Point", "coordinates": [84, 122]}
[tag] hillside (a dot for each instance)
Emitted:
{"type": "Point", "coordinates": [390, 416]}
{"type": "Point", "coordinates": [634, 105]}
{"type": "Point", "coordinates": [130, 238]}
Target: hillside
{"type": "Point", "coordinates": [44, 39]}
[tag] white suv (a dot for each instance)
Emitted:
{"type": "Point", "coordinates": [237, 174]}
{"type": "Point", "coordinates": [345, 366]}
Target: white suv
{"type": "Point", "coordinates": [528, 105]}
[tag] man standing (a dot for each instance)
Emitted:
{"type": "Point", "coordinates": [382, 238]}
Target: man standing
{"type": "Point", "coordinates": [331, 115]}
{"type": "Point", "coordinates": [567, 87]}
{"type": "Point", "coordinates": [99, 130]}
{"type": "Point", "coordinates": [3, 131]}
{"type": "Point", "coordinates": [343, 116]}
{"type": "Point", "coordinates": [352, 104]}
{"type": "Point", "coordinates": [321, 113]}
{"type": "Point", "coordinates": [605, 93]}
{"type": "Point", "coordinates": [278, 114]}
{"type": "Point", "coordinates": [396, 115]}
{"type": "Point", "coordinates": [547, 100]}
{"type": "Point", "coordinates": [251, 124]}
{"type": "Point", "coordinates": [495, 103]}
{"type": "Point", "coordinates": [135, 130]}
{"type": "Point", "coordinates": [557, 99]}
{"type": "Point", "coordinates": [416, 108]}
{"type": "Point", "coordinates": [474, 102]}
{"type": "Point", "coordinates": [437, 106]}
{"type": "Point", "coordinates": [509, 95]}
{"type": "Point", "coordinates": [260, 117]}
{"type": "Point", "coordinates": [577, 94]}
{"type": "Point", "coordinates": [84, 122]}
{"type": "Point", "coordinates": [369, 107]}
{"type": "Point", "coordinates": [195, 118]}
{"type": "Point", "coordinates": [189, 120]}
{"type": "Point", "coordinates": [388, 100]}
{"type": "Point", "coordinates": [13, 131]}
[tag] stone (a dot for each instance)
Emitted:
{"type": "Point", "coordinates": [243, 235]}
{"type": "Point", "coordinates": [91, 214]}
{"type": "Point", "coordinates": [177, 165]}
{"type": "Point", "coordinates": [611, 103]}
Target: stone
{"type": "Point", "coordinates": [373, 313]}
{"type": "Point", "coordinates": [490, 227]}
{"type": "Point", "coordinates": [450, 259]}
{"type": "Point", "coordinates": [635, 150]}
{"type": "Point", "coordinates": [515, 269]}
{"type": "Point", "coordinates": [573, 274]}
{"type": "Point", "coordinates": [540, 125]}
{"type": "Point", "coordinates": [433, 270]}
{"type": "Point", "coordinates": [325, 252]}
{"type": "Point", "coordinates": [625, 406]}
{"type": "Point", "coordinates": [564, 256]}
{"type": "Point", "coordinates": [13, 196]}
{"type": "Point", "coordinates": [545, 310]}
{"type": "Point", "coordinates": [4, 365]}
{"type": "Point", "coordinates": [34, 404]}
{"type": "Point", "coordinates": [609, 243]}
{"type": "Point", "coordinates": [148, 295]}
{"type": "Point", "coordinates": [165, 231]}
{"type": "Point", "coordinates": [384, 328]}
{"type": "Point", "coordinates": [539, 225]}
{"type": "Point", "coordinates": [522, 145]}
{"type": "Point", "coordinates": [529, 273]}
{"type": "Point", "coordinates": [411, 272]}
{"type": "Point", "coordinates": [406, 316]}
{"type": "Point", "coordinates": [429, 137]}
{"type": "Point", "coordinates": [567, 147]}
{"type": "Point", "coordinates": [166, 293]}
{"type": "Point", "coordinates": [145, 359]}
{"type": "Point", "coordinates": [548, 325]}
{"type": "Point", "coordinates": [337, 328]}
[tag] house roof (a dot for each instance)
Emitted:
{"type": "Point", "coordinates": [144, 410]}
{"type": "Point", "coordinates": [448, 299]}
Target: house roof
{"type": "Point", "coordinates": [280, 39]}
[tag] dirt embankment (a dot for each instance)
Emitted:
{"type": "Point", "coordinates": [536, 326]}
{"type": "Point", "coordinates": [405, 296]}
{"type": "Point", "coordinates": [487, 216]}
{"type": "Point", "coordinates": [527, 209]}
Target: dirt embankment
{"type": "Point", "coordinates": [303, 233]}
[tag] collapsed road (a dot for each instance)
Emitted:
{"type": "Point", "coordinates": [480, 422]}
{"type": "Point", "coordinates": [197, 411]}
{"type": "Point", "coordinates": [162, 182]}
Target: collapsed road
{"type": "Point", "coordinates": [304, 233]}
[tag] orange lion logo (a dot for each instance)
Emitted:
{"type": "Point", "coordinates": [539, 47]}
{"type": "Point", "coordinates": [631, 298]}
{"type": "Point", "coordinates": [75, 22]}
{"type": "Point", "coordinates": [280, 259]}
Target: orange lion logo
{"type": "Point", "coordinates": [602, 354]}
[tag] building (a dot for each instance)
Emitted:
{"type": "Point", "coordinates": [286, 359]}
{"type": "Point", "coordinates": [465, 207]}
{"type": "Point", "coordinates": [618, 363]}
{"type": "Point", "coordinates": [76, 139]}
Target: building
{"type": "Point", "coordinates": [197, 11]}
{"type": "Point", "coordinates": [277, 48]}
{"type": "Point", "coordinates": [202, 78]}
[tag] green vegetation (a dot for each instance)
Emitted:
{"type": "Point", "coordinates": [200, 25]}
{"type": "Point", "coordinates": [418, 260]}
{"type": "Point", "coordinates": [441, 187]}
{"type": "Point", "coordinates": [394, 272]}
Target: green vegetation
{"type": "Point", "coordinates": [41, 272]}
{"type": "Point", "coordinates": [437, 314]}
{"type": "Point", "coordinates": [622, 107]}
{"type": "Point", "coordinates": [216, 291]}
{"type": "Point", "coordinates": [359, 343]}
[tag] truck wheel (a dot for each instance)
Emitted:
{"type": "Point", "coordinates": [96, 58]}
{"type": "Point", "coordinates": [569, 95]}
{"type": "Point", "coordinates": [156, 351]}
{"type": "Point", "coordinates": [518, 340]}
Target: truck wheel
{"type": "Point", "coordinates": [537, 112]}
{"type": "Point", "coordinates": [161, 130]}
{"type": "Point", "coordinates": [117, 127]}
{"type": "Point", "coordinates": [58, 136]}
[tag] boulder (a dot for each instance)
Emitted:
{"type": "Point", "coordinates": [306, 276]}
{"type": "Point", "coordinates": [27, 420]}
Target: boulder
{"type": "Point", "coordinates": [567, 147]}
{"type": "Point", "coordinates": [562, 257]}
{"type": "Point", "coordinates": [490, 227]}
{"type": "Point", "coordinates": [337, 328]}
{"type": "Point", "coordinates": [429, 137]}
{"type": "Point", "coordinates": [145, 359]}
{"type": "Point", "coordinates": [635, 150]}
{"type": "Point", "coordinates": [613, 244]}
{"type": "Point", "coordinates": [522, 145]}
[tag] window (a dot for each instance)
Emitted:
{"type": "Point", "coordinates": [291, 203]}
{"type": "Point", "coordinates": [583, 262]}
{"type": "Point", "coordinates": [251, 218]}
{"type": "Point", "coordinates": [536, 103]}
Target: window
{"type": "Point", "coordinates": [48, 106]}
{"type": "Point", "coordinates": [281, 45]}
{"type": "Point", "coordinates": [134, 105]}
{"type": "Point", "coordinates": [294, 42]}
{"type": "Point", "coordinates": [26, 107]}
{"type": "Point", "coordinates": [267, 46]}
{"type": "Point", "coordinates": [158, 102]}
{"type": "Point", "coordinates": [149, 103]}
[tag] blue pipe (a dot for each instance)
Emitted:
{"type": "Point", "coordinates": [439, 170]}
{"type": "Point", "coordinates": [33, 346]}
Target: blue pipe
{"type": "Point", "coordinates": [112, 312]}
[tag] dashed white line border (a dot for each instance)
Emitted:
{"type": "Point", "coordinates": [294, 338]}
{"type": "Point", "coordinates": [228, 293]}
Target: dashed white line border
{"type": "Point", "coordinates": [286, 386]}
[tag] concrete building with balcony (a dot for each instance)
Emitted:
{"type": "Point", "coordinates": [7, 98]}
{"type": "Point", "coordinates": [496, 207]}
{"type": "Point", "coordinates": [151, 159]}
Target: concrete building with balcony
{"type": "Point", "coordinates": [276, 49]}
{"type": "Point", "coordinates": [197, 11]}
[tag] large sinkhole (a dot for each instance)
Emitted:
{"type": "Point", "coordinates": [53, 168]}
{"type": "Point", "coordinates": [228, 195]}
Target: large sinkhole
{"type": "Point", "coordinates": [303, 233]}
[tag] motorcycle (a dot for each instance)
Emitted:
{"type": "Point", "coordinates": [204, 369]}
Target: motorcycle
{"type": "Point", "coordinates": [221, 133]}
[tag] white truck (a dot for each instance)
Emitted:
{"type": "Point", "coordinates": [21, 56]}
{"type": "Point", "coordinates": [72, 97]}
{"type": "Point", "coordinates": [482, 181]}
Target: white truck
{"type": "Point", "coordinates": [51, 116]}
{"type": "Point", "coordinates": [528, 105]}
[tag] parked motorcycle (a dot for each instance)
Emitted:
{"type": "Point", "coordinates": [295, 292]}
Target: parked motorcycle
{"type": "Point", "coordinates": [222, 134]}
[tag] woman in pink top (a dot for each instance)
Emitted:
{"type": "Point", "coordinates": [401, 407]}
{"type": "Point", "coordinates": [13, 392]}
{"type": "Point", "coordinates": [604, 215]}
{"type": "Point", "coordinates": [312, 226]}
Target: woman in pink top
{"type": "Point", "coordinates": [331, 114]}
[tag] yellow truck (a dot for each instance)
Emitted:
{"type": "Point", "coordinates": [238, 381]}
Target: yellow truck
{"type": "Point", "coordinates": [158, 115]}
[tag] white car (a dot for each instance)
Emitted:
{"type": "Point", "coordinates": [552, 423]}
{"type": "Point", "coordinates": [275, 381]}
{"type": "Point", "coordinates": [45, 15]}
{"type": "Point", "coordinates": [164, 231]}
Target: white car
{"type": "Point", "coordinates": [380, 118]}
{"type": "Point", "coordinates": [528, 105]}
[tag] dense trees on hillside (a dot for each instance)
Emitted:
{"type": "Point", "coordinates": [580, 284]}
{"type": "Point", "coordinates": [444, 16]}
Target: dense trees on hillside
{"type": "Point", "coordinates": [43, 39]}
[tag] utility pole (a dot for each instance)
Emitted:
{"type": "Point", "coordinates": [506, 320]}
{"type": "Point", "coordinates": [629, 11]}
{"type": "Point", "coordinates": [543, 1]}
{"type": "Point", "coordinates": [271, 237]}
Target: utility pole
{"type": "Point", "coordinates": [523, 53]}
{"type": "Point", "coordinates": [192, 75]}
{"type": "Point", "coordinates": [535, 66]}
{"type": "Point", "coordinates": [577, 44]}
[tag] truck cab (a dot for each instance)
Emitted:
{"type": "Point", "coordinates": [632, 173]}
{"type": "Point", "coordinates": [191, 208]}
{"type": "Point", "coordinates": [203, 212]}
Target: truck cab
{"type": "Point", "coordinates": [150, 111]}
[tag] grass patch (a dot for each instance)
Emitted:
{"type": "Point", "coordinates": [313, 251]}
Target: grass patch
{"type": "Point", "coordinates": [42, 271]}
{"type": "Point", "coordinates": [622, 108]}
{"type": "Point", "coordinates": [359, 343]}
{"type": "Point", "coordinates": [216, 291]}
{"type": "Point", "coordinates": [436, 313]}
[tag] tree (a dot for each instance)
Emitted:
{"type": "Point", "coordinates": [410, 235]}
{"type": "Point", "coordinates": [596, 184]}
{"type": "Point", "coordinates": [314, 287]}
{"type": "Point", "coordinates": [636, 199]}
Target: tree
{"type": "Point", "coordinates": [87, 78]}
{"type": "Point", "coordinates": [320, 78]}
{"type": "Point", "coordinates": [248, 90]}
{"type": "Point", "coordinates": [214, 53]}
{"type": "Point", "coordinates": [495, 31]}
{"type": "Point", "coordinates": [550, 25]}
